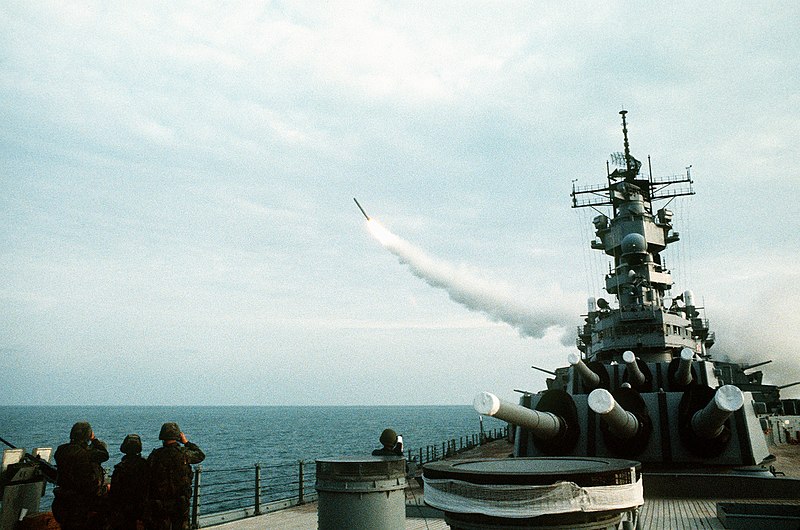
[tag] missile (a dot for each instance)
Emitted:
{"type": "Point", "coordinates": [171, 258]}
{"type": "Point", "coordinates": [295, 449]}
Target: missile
{"type": "Point", "coordinates": [362, 209]}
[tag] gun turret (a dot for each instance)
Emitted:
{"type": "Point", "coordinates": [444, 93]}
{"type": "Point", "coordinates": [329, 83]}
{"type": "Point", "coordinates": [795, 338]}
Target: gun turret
{"type": "Point", "coordinates": [709, 422]}
{"type": "Point", "coordinates": [590, 379]}
{"type": "Point", "coordinates": [544, 425]}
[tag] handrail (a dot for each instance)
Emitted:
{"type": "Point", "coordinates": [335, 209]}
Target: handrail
{"type": "Point", "coordinates": [240, 492]}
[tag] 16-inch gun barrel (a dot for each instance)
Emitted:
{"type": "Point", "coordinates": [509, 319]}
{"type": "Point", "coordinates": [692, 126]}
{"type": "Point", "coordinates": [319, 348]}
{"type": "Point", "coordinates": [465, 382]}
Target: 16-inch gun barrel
{"type": "Point", "coordinates": [621, 423]}
{"type": "Point", "coordinates": [684, 374]}
{"type": "Point", "coordinates": [634, 373]}
{"type": "Point", "coordinates": [589, 378]}
{"type": "Point", "coordinates": [708, 422]}
{"type": "Point", "coordinates": [545, 425]}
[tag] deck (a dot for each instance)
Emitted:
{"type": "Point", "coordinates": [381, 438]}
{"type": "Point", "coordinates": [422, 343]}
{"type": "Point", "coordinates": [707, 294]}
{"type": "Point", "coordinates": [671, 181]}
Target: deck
{"type": "Point", "coordinates": [656, 514]}
{"type": "Point", "coordinates": [305, 517]}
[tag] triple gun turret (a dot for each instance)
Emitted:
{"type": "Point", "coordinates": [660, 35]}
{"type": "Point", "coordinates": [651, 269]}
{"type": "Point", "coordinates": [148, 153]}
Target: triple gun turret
{"type": "Point", "coordinates": [609, 416]}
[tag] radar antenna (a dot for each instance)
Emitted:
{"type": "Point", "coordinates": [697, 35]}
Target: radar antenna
{"type": "Point", "coordinates": [628, 164]}
{"type": "Point", "coordinates": [632, 165]}
{"type": "Point", "coordinates": [618, 159]}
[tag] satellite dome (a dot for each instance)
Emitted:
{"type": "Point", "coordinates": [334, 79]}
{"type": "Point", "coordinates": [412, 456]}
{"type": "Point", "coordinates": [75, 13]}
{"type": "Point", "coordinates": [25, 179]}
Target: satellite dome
{"type": "Point", "coordinates": [634, 244]}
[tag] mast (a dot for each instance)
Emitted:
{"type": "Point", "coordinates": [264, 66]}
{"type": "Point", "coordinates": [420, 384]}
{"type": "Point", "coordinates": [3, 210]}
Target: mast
{"type": "Point", "coordinates": [634, 235]}
{"type": "Point", "coordinates": [625, 136]}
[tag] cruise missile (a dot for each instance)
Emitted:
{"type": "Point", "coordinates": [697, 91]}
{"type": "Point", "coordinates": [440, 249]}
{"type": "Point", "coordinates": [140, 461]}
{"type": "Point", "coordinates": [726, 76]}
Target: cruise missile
{"type": "Point", "coordinates": [362, 209]}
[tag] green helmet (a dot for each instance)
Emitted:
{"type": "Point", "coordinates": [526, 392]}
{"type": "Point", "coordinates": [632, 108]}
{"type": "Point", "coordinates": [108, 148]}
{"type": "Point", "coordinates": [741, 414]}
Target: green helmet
{"type": "Point", "coordinates": [388, 437]}
{"type": "Point", "coordinates": [170, 431]}
{"type": "Point", "coordinates": [81, 432]}
{"type": "Point", "coordinates": [131, 445]}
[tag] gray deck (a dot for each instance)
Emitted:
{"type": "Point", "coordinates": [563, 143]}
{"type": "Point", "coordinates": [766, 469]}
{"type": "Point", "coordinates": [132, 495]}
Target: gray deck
{"type": "Point", "coordinates": [677, 514]}
{"type": "Point", "coordinates": [656, 514]}
{"type": "Point", "coordinates": [305, 517]}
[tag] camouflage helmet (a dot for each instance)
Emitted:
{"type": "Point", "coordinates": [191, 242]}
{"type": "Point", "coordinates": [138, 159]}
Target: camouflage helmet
{"type": "Point", "coordinates": [170, 431]}
{"type": "Point", "coordinates": [131, 445]}
{"type": "Point", "coordinates": [81, 432]}
{"type": "Point", "coordinates": [388, 437]}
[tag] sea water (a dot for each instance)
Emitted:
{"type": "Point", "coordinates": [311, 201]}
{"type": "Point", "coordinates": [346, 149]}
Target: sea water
{"type": "Point", "coordinates": [240, 436]}
{"type": "Point", "coordinates": [236, 435]}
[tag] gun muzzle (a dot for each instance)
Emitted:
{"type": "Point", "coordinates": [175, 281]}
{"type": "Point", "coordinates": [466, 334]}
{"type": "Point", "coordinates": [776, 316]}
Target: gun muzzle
{"type": "Point", "coordinates": [635, 375]}
{"type": "Point", "coordinates": [544, 425]}
{"type": "Point", "coordinates": [589, 378]}
{"type": "Point", "coordinates": [684, 374]}
{"type": "Point", "coordinates": [708, 422]}
{"type": "Point", "coordinates": [621, 423]}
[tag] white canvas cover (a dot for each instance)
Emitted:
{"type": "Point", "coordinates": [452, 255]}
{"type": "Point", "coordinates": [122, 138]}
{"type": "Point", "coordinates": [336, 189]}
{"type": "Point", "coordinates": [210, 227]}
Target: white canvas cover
{"type": "Point", "coordinates": [524, 501]}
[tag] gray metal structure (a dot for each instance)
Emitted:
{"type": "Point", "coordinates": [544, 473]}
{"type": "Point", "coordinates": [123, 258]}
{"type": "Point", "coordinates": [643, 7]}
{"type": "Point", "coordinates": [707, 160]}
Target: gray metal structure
{"type": "Point", "coordinates": [644, 385]}
{"type": "Point", "coordinates": [521, 493]}
{"type": "Point", "coordinates": [22, 481]}
{"type": "Point", "coordinates": [361, 493]}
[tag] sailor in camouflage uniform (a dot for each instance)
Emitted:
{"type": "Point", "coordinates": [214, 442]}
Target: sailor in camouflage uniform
{"type": "Point", "coordinates": [80, 485]}
{"type": "Point", "coordinates": [392, 445]}
{"type": "Point", "coordinates": [129, 484]}
{"type": "Point", "coordinates": [171, 479]}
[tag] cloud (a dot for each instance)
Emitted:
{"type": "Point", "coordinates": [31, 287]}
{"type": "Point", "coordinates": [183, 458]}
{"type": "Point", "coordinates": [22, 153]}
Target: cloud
{"type": "Point", "coordinates": [178, 177]}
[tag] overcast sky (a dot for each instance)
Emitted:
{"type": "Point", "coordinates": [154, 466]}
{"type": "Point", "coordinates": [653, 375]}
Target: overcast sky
{"type": "Point", "coordinates": [177, 182]}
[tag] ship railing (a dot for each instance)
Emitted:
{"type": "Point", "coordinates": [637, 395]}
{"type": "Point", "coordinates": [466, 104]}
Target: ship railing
{"type": "Point", "coordinates": [590, 188]}
{"type": "Point", "coordinates": [231, 494]}
{"type": "Point", "coordinates": [670, 179]}
{"type": "Point", "coordinates": [454, 446]}
{"type": "Point", "coordinates": [679, 192]}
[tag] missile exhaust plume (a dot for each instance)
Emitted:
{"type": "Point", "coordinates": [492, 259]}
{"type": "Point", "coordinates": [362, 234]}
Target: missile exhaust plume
{"type": "Point", "coordinates": [475, 293]}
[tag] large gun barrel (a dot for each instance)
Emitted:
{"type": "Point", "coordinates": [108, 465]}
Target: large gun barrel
{"type": "Point", "coordinates": [589, 378]}
{"type": "Point", "coordinates": [635, 375]}
{"type": "Point", "coordinates": [708, 422]}
{"type": "Point", "coordinates": [621, 423]}
{"type": "Point", "coordinates": [684, 374]}
{"type": "Point", "coordinates": [545, 425]}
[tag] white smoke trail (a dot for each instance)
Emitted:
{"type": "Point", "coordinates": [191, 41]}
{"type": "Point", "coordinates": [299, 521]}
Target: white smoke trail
{"type": "Point", "coordinates": [474, 293]}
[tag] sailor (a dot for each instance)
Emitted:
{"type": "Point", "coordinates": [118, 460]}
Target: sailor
{"type": "Point", "coordinates": [170, 481]}
{"type": "Point", "coordinates": [80, 486]}
{"type": "Point", "coordinates": [129, 484]}
{"type": "Point", "coordinates": [392, 444]}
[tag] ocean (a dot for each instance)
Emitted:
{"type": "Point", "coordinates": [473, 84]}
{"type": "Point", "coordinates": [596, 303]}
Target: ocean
{"type": "Point", "coordinates": [240, 436]}
{"type": "Point", "coordinates": [237, 435]}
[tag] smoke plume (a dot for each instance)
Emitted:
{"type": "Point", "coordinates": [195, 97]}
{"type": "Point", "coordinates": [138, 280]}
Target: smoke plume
{"type": "Point", "coordinates": [475, 293]}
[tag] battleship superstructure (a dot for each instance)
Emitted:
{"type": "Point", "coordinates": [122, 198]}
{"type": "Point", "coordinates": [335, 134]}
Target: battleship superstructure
{"type": "Point", "coordinates": [643, 385]}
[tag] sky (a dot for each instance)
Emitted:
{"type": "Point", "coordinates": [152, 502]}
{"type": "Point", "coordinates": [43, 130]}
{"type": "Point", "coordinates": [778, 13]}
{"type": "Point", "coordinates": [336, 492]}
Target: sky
{"type": "Point", "coordinates": [177, 184]}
